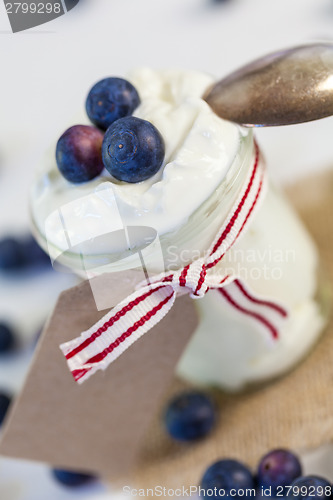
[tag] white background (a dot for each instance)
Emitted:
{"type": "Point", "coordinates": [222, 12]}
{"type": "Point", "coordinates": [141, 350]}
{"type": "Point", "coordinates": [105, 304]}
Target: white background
{"type": "Point", "coordinates": [47, 71]}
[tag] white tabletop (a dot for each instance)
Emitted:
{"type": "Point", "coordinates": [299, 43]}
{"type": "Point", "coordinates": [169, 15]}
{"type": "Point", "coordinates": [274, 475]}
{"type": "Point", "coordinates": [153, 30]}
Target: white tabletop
{"type": "Point", "coordinates": [45, 75]}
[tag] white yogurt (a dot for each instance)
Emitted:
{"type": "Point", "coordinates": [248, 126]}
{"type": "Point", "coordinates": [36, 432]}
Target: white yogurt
{"type": "Point", "coordinates": [277, 259]}
{"type": "Point", "coordinates": [186, 202]}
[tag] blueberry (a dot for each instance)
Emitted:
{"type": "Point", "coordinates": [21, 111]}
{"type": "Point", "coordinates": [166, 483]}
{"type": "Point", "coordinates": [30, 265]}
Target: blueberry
{"type": "Point", "coordinates": [7, 338]}
{"type": "Point", "coordinates": [111, 99]}
{"type": "Point", "coordinates": [11, 254]}
{"type": "Point", "coordinates": [278, 468]}
{"type": "Point", "coordinates": [133, 149]}
{"type": "Point", "coordinates": [71, 479]}
{"type": "Point", "coordinates": [5, 401]}
{"type": "Point", "coordinates": [309, 487]}
{"type": "Point", "coordinates": [190, 416]}
{"type": "Point", "coordinates": [226, 475]}
{"type": "Point", "coordinates": [21, 254]}
{"type": "Point", "coordinates": [78, 153]}
{"type": "Point", "coordinates": [34, 255]}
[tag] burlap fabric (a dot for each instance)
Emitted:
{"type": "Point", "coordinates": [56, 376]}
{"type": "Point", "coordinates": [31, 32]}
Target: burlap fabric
{"type": "Point", "coordinates": [295, 411]}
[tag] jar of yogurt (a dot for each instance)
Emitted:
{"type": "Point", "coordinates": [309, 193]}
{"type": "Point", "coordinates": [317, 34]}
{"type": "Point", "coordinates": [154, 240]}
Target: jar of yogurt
{"type": "Point", "coordinates": [206, 164]}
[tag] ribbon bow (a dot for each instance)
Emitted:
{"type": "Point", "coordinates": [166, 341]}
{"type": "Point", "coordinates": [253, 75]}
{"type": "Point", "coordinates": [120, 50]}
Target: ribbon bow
{"type": "Point", "coordinates": [104, 342]}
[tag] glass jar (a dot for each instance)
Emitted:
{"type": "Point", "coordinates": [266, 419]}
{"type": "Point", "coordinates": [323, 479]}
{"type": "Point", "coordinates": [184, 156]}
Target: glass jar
{"type": "Point", "coordinates": [276, 259]}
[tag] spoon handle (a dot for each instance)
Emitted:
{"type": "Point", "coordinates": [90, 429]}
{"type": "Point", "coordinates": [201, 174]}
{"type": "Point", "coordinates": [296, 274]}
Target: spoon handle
{"type": "Point", "coordinates": [283, 88]}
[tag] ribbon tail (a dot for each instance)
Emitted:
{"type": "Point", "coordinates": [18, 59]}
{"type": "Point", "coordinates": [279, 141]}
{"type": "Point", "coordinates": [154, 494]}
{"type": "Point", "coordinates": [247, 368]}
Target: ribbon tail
{"type": "Point", "coordinates": [269, 315]}
{"type": "Point", "coordinates": [104, 342]}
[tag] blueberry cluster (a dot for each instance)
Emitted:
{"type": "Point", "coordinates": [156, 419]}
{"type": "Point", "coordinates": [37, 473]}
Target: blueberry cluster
{"type": "Point", "coordinates": [279, 475]}
{"type": "Point", "coordinates": [131, 149]}
{"type": "Point", "coordinates": [191, 416]}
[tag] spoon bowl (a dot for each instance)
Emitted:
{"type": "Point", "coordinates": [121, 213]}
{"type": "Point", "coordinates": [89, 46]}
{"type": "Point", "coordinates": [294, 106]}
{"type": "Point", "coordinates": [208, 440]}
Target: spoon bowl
{"type": "Point", "coordinates": [283, 88]}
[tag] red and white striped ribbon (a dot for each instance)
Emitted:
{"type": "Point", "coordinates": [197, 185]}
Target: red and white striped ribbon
{"type": "Point", "coordinates": [105, 341]}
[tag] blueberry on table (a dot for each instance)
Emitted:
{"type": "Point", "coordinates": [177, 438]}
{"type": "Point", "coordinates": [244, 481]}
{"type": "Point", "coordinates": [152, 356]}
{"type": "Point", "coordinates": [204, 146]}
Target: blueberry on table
{"type": "Point", "coordinates": [71, 479]}
{"type": "Point", "coordinates": [133, 149]}
{"type": "Point", "coordinates": [17, 254]}
{"type": "Point", "coordinates": [78, 153]}
{"type": "Point", "coordinates": [310, 487]}
{"type": "Point", "coordinates": [111, 99]}
{"type": "Point", "coordinates": [34, 255]}
{"type": "Point", "coordinates": [11, 254]}
{"type": "Point", "coordinates": [190, 416]}
{"type": "Point", "coordinates": [278, 468]}
{"type": "Point", "coordinates": [227, 475]}
{"type": "Point", "coordinates": [7, 338]}
{"type": "Point", "coordinates": [5, 401]}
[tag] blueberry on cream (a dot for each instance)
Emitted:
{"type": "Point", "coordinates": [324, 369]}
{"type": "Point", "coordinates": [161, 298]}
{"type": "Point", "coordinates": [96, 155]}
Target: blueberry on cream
{"type": "Point", "coordinates": [78, 153]}
{"type": "Point", "coordinates": [133, 149]}
{"type": "Point", "coordinates": [199, 148]}
{"type": "Point", "coordinates": [111, 99]}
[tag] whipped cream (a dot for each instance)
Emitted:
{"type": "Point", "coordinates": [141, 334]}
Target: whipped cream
{"type": "Point", "coordinates": [200, 147]}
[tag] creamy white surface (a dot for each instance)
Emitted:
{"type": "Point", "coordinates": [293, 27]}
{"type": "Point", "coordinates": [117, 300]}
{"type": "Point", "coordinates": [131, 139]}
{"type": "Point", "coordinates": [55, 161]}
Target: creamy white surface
{"type": "Point", "coordinates": [229, 350]}
{"type": "Point", "coordinates": [199, 150]}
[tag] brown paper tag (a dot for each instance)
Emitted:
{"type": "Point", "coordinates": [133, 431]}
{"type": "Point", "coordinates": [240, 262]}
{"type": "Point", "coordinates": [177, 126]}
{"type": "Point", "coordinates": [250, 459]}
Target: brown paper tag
{"type": "Point", "coordinates": [98, 426]}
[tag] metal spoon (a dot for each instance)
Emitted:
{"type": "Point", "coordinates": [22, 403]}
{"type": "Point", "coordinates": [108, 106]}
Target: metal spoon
{"type": "Point", "coordinates": [286, 87]}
